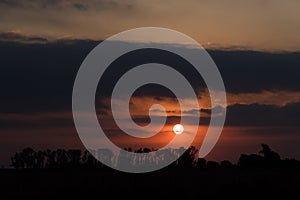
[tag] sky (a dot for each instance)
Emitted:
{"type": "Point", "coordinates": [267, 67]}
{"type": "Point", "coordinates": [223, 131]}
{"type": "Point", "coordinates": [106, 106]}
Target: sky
{"type": "Point", "coordinates": [255, 45]}
{"type": "Point", "coordinates": [259, 24]}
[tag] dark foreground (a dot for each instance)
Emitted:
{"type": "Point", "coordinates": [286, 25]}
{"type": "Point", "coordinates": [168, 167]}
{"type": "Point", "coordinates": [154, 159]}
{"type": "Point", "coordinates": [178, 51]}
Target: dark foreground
{"type": "Point", "coordinates": [176, 183]}
{"type": "Point", "coordinates": [73, 175]}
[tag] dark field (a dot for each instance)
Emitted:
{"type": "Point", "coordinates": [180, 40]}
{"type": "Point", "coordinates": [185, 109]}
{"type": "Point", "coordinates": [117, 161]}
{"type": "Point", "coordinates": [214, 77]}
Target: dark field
{"type": "Point", "coordinates": [190, 184]}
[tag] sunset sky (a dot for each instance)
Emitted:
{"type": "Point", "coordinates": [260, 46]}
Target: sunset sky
{"type": "Point", "coordinates": [255, 45]}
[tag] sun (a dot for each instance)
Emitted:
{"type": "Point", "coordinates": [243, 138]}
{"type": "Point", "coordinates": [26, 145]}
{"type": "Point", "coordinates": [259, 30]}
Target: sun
{"type": "Point", "coordinates": [178, 129]}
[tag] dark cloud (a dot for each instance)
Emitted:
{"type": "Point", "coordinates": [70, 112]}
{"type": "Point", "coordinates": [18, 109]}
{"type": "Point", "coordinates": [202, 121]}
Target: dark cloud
{"type": "Point", "coordinates": [217, 109]}
{"type": "Point", "coordinates": [31, 3]}
{"type": "Point", "coordinates": [146, 119]}
{"type": "Point", "coordinates": [13, 3]}
{"type": "Point", "coordinates": [17, 37]}
{"type": "Point", "coordinates": [39, 77]}
{"type": "Point", "coordinates": [263, 115]}
{"type": "Point", "coordinates": [258, 115]}
{"type": "Point", "coordinates": [237, 115]}
{"type": "Point", "coordinates": [80, 6]}
{"type": "Point", "coordinates": [138, 57]}
{"type": "Point", "coordinates": [66, 4]}
{"type": "Point", "coordinates": [252, 71]}
{"type": "Point", "coordinates": [246, 115]}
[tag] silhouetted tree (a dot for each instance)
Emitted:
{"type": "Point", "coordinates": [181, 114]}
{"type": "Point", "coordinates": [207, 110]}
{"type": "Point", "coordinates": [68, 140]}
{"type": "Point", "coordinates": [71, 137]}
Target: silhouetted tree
{"type": "Point", "coordinates": [269, 158]}
{"type": "Point", "coordinates": [212, 164]}
{"type": "Point", "coordinates": [17, 161]}
{"type": "Point", "coordinates": [189, 157]}
{"type": "Point", "coordinates": [226, 164]}
{"type": "Point", "coordinates": [201, 163]}
{"type": "Point", "coordinates": [251, 160]}
{"type": "Point", "coordinates": [40, 160]}
{"type": "Point", "coordinates": [73, 158]}
{"type": "Point", "coordinates": [290, 163]}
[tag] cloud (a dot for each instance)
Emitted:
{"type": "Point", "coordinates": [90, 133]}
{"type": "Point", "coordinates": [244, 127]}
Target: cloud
{"type": "Point", "coordinates": [263, 115]}
{"type": "Point", "coordinates": [66, 4]}
{"type": "Point", "coordinates": [80, 6]}
{"type": "Point", "coordinates": [252, 71]}
{"type": "Point", "coordinates": [268, 97]}
{"type": "Point", "coordinates": [16, 36]}
{"type": "Point", "coordinates": [252, 115]}
{"type": "Point", "coordinates": [247, 115]}
{"type": "Point", "coordinates": [39, 77]}
{"type": "Point", "coordinates": [274, 26]}
{"type": "Point", "coordinates": [217, 109]}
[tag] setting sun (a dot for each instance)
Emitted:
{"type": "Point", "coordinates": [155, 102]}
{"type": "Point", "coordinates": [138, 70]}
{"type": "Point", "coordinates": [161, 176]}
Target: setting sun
{"type": "Point", "coordinates": [178, 129]}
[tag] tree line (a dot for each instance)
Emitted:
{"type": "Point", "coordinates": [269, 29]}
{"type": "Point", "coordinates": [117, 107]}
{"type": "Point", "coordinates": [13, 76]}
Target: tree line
{"type": "Point", "coordinates": [75, 158]}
